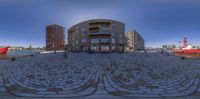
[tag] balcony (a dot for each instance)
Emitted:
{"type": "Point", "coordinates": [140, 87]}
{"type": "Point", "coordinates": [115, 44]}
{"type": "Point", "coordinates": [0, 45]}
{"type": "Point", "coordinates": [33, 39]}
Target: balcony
{"type": "Point", "coordinates": [120, 43]}
{"type": "Point", "coordinates": [100, 23]}
{"type": "Point", "coordinates": [100, 34]}
{"type": "Point", "coordinates": [94, 28]}
{"type": "Point", "coordinates": [108, 42]}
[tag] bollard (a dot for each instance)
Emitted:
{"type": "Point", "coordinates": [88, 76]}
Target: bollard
{"type": "Point", "coordinates": [65, 55]}
{"type": "Point", "coordinates": [13, 59]}
{"type": "Point", "coordinates": [162, 51]}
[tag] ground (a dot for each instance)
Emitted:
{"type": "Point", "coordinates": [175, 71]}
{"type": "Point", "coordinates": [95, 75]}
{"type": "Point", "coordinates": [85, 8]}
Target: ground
{"type": "Point", "coordinates": [115, 75]}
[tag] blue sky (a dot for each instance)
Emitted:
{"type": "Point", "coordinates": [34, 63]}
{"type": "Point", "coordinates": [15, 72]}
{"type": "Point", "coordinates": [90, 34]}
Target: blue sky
{"type": "Point", "coordinates": [23, 22]}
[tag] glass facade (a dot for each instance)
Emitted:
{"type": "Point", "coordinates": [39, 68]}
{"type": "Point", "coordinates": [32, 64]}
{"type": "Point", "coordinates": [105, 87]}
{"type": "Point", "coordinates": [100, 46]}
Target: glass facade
{"type": "Point", "coordinates": [84, 35]}
{"type": "Point", "coordinates": [94, 40]}
{"type": "Point", "coordinates": [113, 41]}
{"type": "Point", "coordinates": [100, 35]}
{"type": "Point", "coordinates": [113, 48]}
{"type": "Point", "coordinates": [94, 48]}
{"type": "Point", "coordinates": [105, 40]}
{"type": "Point", "coordinates": [121, 41]}
{"type": "Point", "coordinates": [105, 48]}
{"type": "Point", "coordinates": [113, 34]}
{"type": "Point", "coordinates": [84, 40]}
{"type": "Point", "coordinates": [85, 48]}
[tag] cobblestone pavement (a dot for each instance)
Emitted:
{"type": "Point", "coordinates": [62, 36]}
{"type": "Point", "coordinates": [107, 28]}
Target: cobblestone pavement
{"type": "Point", "coordinates": [134, 75]}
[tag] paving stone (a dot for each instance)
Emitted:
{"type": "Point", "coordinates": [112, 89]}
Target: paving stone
{"type": "Point", "coordinates": [128, 75]}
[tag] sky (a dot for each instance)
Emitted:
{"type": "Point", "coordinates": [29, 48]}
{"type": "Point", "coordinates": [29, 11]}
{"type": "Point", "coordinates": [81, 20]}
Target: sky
{"type": "Point", "coordinates": [23, 22]}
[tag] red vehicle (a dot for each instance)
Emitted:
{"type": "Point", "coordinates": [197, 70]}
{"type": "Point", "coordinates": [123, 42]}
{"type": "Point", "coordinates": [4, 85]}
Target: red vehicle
{"type": "Point", "coordinates": [4, 50]}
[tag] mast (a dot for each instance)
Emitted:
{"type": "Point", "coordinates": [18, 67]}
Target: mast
{"type": "Point", "coordinates": [185, 42]}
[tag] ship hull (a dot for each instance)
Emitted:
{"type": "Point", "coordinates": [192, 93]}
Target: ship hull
{"type": "Point", "coordinates": [4, 50]}
{"type": "Point", "coordinates": [192, 53]}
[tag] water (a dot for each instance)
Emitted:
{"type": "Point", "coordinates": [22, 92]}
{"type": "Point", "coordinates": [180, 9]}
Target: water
{"type": "Point", "coordinates": [16, 53]}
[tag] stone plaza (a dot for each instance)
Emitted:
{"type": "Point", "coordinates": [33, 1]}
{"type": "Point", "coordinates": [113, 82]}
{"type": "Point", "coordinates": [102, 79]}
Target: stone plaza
{"type": "Point", "coordinates": [118, 75]}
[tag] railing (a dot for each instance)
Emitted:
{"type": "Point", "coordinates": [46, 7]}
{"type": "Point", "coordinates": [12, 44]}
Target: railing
{"type": "Point", "coordinates": [100, 33]}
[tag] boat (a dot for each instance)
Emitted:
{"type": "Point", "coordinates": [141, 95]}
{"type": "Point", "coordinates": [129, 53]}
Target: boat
{"type": "Point", "coordinates": [187, 51]}
{"type": "Point", "coordinates": [4, 50]}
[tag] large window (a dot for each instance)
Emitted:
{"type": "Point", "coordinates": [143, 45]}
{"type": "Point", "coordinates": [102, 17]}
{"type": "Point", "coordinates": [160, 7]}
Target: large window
{"type": "Point", "coordinates": [105, 26]}
{"type": "Point", "coordinates": [120, 35]}
{"type": "Point", "coordinates": [82, 29]}
{"type": "Point", "coordinates": [94, 40]}
{"type": "Point", "coordinates": [113, 34]}
{"type": "Point", "coordinates": [105, 31]}
{"type": "Point", "coordinates": [95, 48]}
{"type": "Point", "coordinates": [85, 48]}
{"type": "Point", "coordinates": [104, 48]}
{"type": "Point", "coordinates": [84, 40]}
{"type": "Point", "coordinates": [120, 41]}
{"type": "Point", "coordinates": [105, 40]}
{"type": "Point", "coordinates": [113, 48]}
{"type": "Point", "coordinates": [75, 42]}
{"type": "Point", "coordinates": [113, 40]}
{"type": "Point", "coordinates": [84, 35]}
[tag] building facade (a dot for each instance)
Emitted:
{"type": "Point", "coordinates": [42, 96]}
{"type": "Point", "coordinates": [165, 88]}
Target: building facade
{"type": "Point", "coordinates": [168, 47]}
{"type": "Point", "coordinates": [55, 37]}
{"type": "Point", "coordinates": [134, 41]}
{"type": "Point", "coordinates": [97, 35]}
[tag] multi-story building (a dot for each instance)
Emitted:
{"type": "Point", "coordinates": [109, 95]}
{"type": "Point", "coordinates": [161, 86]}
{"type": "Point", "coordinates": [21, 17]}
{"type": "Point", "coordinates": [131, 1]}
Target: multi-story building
{"type": "Point", "coordinates": [55, 37]}
{"type": "Point", "coordinates": [168, 47]}
{"type": "Point", "coordinates": [97, 35]}
{"type": "Point", "coordinates": [134, 41]}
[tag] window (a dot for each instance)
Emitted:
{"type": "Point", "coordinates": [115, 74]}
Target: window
{"type": "Point", "coordinates": [76, 42]}
{"type": "Point", "coordinates": [94, 40]}
{"type": "Point", "coordinates": [113, 40]}
{"type": "Point", "coordinates": [104, 48]}
{"type": "Point", "coordinates": [120, 41]}
{"type": "Point", "coordinates": [113, 34]}
{"type": "Point", "coordinates": [83, 34]}
{"type": "Point", "coordinates": [85, 48]}
{"type": "Point", "coordinates": [95, 48]}
{"type": "Point", "coordinates": [83, 29]}
{"type": "Point", "coordinates": [120, 35]}
{"type": "Point", "coordinates": [105, 31]}
{"type": "Point", "coordinates": [113, 48]}
{"type": "Point", "coordinates": [84, 40]}
{"type": "Point", "coordinates": [105, 26]}
{"type": "Point", "coordinates": [105, 40]}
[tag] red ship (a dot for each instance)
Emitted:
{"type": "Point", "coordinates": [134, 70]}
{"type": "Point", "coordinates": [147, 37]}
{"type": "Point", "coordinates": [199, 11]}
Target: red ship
{"type": "Point", "coordinates": [187, 50]}
{"type": "Point", "coordinates": [4, 50]}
